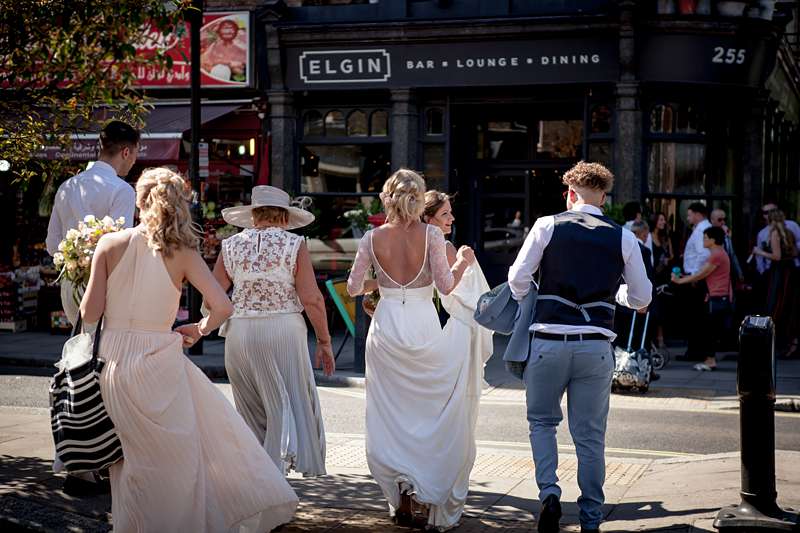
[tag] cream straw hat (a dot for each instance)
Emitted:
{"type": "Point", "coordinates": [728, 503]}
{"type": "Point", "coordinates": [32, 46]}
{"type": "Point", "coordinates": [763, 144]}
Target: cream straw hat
{"type": "Point", "coordinates": [267, 196]}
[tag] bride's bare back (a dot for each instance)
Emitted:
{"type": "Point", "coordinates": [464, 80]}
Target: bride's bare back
{"type": "Point", "coordinates": [401, 251]}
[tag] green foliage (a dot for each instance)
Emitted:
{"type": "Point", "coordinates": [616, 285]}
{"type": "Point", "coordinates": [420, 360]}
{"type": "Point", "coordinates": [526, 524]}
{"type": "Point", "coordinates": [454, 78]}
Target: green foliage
{"type": "Point", "coordinates": [60, 61]}
{"type": "Point", "coordinates": [614, 212]}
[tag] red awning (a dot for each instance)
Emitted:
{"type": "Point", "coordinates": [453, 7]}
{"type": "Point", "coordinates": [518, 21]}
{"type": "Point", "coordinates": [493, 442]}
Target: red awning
{"type": "Point", "coordinates": [161, 137]}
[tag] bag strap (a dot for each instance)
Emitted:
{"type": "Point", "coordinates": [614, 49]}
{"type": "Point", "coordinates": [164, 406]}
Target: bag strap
{"type": "Point", "coordinates": [76, 328]}
{"type": "Point", "coordinates": [96, 343]}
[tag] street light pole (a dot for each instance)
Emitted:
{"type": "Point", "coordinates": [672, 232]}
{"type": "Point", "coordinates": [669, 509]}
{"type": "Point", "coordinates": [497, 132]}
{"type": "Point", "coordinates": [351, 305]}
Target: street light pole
{"type": "Point", "coordinates": [196, 21]}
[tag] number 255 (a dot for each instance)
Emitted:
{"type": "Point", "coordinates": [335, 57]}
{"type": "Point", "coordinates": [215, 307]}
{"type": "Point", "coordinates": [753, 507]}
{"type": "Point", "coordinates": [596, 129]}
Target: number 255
{"type": "Point", "coordinates": [728, 55]}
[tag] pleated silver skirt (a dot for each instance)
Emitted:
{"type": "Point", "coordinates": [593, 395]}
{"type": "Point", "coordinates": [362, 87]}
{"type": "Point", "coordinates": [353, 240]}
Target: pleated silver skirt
{"type": "Point", "coordinates": [269, 367]}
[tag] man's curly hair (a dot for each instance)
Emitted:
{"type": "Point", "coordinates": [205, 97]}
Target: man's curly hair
{"type": "Point", "coordinates": [589, 176]}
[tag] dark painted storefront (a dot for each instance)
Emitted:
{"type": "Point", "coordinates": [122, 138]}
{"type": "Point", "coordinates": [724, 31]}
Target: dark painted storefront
{"type": "Point", "coordinates": [494, 100]}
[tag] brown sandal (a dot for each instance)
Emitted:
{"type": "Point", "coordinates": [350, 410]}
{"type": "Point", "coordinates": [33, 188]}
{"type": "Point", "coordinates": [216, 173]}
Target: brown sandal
{"type": "Point", "coordinates": [403, 515]}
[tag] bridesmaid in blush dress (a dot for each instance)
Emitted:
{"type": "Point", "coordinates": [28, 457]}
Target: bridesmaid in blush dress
{"type": "Point", "coordinates": [190, 461]}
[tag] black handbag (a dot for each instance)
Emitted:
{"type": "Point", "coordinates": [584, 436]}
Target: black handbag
{"type": "Point", "coordinates": [84, 435]}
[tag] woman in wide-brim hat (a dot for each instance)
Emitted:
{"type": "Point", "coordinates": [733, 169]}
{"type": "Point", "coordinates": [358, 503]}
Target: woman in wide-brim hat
{"type": "Point", "coordinates": [266, 340]}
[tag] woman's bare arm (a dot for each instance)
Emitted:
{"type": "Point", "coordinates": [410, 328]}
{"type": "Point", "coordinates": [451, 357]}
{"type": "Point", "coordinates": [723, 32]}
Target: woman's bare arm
{"type": "Point", "coordinates": [221, 274]}
{"type": "Point", "coordinates": [93, 304]}
{"type": "Point", "coordinates": [314, 304]}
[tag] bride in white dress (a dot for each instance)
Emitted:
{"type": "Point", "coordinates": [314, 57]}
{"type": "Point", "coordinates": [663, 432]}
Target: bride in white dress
{"type": "Point", "coordinates": [419, 431]}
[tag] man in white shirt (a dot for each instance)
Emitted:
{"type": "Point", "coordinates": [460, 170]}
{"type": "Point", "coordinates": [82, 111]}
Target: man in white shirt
{"type": "Point", "coordinates": [695, 255]}
{"type": "Point", "coordinates": [97, 191]}
{"type": "Point", "coordinates": [581, 257]}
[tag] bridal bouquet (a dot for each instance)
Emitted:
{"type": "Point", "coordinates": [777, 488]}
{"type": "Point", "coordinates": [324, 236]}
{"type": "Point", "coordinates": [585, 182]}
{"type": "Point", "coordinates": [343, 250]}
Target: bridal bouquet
{"type": "Point", "coordinates": [74, 256]}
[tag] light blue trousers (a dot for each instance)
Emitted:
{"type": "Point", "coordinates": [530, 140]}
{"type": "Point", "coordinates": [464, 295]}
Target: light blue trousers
{"type": "Point", "coordinates": [583, 370]}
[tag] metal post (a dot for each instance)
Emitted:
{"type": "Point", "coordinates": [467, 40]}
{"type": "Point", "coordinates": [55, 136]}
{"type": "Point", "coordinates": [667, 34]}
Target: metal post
{"type": "Point", "coordinates": [360, 340]}
{"type": "Point", "coordinates": [196, 21]}
{"type": "Point", "coordinates": [755, 382]}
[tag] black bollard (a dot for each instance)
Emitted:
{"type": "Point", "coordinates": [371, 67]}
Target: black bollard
{"type": "Point", "coordinates": [755, 382]}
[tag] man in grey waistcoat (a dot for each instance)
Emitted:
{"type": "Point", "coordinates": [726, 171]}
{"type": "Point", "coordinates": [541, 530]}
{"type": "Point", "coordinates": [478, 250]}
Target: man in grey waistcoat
{"type": "Point", "coordinates": [585, 263]}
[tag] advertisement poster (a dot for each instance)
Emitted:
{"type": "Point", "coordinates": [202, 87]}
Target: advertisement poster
{"type": "Point", "coordinates": [224, 54]}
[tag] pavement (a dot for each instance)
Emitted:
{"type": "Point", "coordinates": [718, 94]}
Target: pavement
{"type": "Point", "coordinates": [644, 492]}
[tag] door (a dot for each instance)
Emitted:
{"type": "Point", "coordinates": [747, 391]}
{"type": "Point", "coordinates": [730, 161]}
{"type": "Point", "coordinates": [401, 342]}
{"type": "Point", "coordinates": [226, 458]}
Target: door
{"type": "Point", "coordinates": [510, 199]}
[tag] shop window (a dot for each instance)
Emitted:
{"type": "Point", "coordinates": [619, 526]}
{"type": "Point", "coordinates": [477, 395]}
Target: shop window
{"type": "Point", "coordinates": [379, 124]}
{"type": "Point", "coordinates": [560, 139]}
{"type": "Point", "coordinates": [312, 124]}
{"type": "Point", "coordinates": [357, 124]}
{"type": "Point", "coordinates": [661, 119]}
{"type": "Point", "coordinates": [723, 179]}
{"type": "Point", "coordinates": [676, 168]}
{"type": "Point", "coordinates": [601, 152]}
{"type": "Point", "coordinates": [674, 118]}
{"type": "Point", "coordinates": [434, 166]}
{"type": "Point", "coordinates": [334, 124]}
{"type": "Point", "coordinates": [503, 139]}
{"type": "Point", "coordinates": [601, 119]}
{"type": "Point", "coordinates": [344, 168]}
{"type": "Point", "coordinates": [434, 121]}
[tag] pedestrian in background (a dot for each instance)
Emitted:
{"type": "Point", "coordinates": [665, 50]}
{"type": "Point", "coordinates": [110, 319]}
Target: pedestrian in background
{"type": "Point", "coordinates": [695, 255]}
{"type": "Point", "coordinates": [663, 259]}
{"type": "Point", "coordinates": [581, 256]}
{"type": "Point", "coordinates": [266, 339]}
{"type": "Point", "coordinates": [190, 462]}
{"type": "Point", "coordinates": [100, 191]}
{"type": "Point", "coordinates": [718, 219]}
{"type": "Point", "coordinates": [718, 307]}
{"type": "Point", "coordinates": [781, 251]}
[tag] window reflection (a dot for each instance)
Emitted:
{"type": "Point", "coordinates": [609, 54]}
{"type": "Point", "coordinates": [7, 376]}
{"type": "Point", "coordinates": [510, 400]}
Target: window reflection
{"type": "Point", "coordinates": [312, 124]}
{"type": "Point", "coordinates": [677, 118]}
{"type": "Point", "coordinates": [379, 124]}
{"type": "Point", "coordinates": [503, 140]}
{"type": "Point", "coordinates": [357, 124]}
{"type": "Point", "coordinates": [601, 119]}
{"type": "Point", "coordinates": [560, 138]}
{"type": "Point", "coordinates": [600, 152]}
{"type": "Point", "coordinates": [434, 168]}
{"type": "Point", "coordinates": [676, 168]}
{"type": "Point", "coordinates": [344, 168]}
{"type": "Point", "coordinates": [434, 121]}
{"type": "Point", "coordinates": [334, 124]}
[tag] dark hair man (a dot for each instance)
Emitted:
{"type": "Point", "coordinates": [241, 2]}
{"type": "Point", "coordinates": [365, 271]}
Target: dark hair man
{"type": "Point", "coordinates": [717, 274]}
{"type": "Point", "coordinates": [582, 258]}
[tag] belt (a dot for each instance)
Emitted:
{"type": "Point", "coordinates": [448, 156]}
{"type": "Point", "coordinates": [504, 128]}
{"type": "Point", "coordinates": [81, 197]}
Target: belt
{"type": "Point", "coordinates": [566, 337]}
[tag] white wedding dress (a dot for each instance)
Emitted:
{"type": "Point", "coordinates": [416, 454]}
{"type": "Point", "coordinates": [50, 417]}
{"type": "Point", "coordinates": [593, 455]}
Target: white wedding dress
{"type": "Point", "coordinates": [423, 382]}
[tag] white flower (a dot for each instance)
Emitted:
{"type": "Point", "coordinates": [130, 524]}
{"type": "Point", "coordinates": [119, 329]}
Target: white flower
{"type": "Point", "coordinates": [85, 261]}
{"type": "Point", "coordinates": [58, 258]}
{"type": "Point", "coordinates": [72, 235]}
{"type": "Point", "coordinates": [121, 221]}
{"type": "Point", "coordinates": [108, 221]}
{"type": "Point", "coordinates": [62, 246]}
{"type": "Point", "coordinates": [90, 219]}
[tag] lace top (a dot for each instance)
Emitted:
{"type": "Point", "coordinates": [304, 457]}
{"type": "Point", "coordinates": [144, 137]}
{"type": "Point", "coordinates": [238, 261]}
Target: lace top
{"type": "Point", "coordinates": [261, 263]}
{"type": "Point", "coordinates": [435, 268]}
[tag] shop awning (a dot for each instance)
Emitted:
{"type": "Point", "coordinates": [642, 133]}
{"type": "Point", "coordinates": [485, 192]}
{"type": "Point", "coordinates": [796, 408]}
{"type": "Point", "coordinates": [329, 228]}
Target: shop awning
{"type": "Point", "coordinates": [161, 136]}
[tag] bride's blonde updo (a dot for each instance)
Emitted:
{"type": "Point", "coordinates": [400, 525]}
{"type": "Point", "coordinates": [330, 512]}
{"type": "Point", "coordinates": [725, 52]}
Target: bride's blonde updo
{"type": "Point", "coordinates": [163, 199]}
{"type": "Point", "coordinates": [403, 196]}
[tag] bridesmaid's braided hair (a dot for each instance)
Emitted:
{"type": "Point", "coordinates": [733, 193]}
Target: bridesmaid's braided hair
{"type": "Point", "coordinates": [163, 200]}
{"type": "Point", "coordinates": [403, 196]}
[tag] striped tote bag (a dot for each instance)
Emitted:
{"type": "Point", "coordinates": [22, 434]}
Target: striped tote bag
{"type": "Point", "coordinates": [84, 435]}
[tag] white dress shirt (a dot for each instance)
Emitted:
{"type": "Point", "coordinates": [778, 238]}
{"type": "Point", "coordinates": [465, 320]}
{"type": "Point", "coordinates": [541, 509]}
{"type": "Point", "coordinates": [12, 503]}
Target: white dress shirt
{"type": "Point", "coordinates": [636, 293]}
{"type": "Point", "coordinates": [96, 191]}
{"type": "Point", "coordinates": [762, 263]}
{"type": "Point", "coordinates": [695, 255]}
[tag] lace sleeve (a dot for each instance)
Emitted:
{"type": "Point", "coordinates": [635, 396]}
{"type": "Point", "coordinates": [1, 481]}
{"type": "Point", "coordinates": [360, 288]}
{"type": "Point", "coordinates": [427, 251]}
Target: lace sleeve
{"type": "Point", "coordinates": [440, 268]}
{"type": "Point", "coordinates": [355, 282]}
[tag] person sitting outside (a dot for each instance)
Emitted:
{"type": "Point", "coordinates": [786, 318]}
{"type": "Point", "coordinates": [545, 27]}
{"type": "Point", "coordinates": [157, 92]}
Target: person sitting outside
{"type": "Point", "coordinates": [717, 274]}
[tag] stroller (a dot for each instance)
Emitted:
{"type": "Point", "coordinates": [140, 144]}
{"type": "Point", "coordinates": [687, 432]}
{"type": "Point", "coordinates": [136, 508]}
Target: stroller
{"type": "Point", "coordinates": [632, 367]}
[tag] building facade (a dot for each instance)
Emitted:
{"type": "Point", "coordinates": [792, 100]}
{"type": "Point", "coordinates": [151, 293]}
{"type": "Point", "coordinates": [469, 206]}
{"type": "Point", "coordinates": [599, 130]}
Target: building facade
{"type": "Point", "coordinates": [494, 100]}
